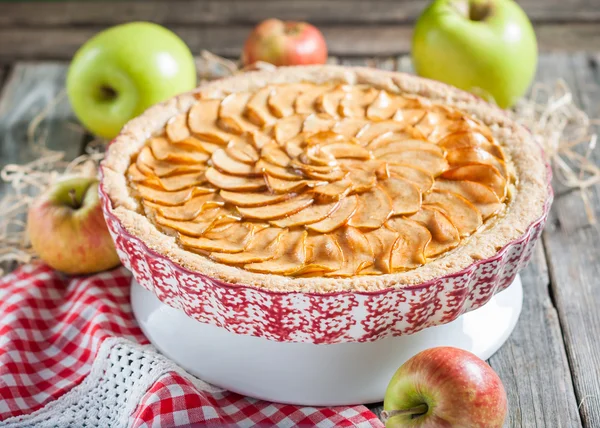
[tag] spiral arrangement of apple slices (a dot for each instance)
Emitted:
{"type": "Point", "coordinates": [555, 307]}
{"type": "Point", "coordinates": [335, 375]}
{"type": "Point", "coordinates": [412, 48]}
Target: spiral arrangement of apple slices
{"type": "Point", "coordinates": [321, 180]}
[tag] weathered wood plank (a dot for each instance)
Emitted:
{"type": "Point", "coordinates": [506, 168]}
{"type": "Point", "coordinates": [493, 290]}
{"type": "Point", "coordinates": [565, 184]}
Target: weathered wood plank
{"type": "Point", "coordinates": [64, 13]}
{"type": "Point", "coordinates": [572, 246]}
{"type": "Point", "coordinates": [343, 40]}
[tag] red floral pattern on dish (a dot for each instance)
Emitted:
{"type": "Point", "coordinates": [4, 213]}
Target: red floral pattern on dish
{"type": "Point", "coordinates": [323, 318]}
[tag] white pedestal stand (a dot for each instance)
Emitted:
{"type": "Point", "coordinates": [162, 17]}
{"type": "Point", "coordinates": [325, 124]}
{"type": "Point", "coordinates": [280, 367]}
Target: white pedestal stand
{"type": "Point", "coordinates": [308, 374]}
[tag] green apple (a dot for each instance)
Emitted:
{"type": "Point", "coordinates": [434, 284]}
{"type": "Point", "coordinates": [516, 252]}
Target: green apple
{"type": "Point", "coordinates": [67, 230]}
{"type": "Point", "coordinates": [123, 70]}
{"type": "Point", "coordinates": [487, 47]}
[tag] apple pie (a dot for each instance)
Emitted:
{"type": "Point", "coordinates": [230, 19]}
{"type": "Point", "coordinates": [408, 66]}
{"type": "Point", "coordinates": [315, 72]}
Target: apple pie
{"type": "Point", "coordinates": [325, 178]}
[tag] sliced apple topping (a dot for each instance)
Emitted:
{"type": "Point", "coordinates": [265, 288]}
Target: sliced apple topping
{"type": "Point", "coordinates": [257, 109]}
{"type": "Point", "coordinates": [349, 127]}
{"type": "Point", "coordinates": [486, 201]}
{"type": "Point", "coordinates": [487, 175]}
{"type": "Point", "coordinates": [374, 208]}
{"type": "Point", "coordinates": [475, 155]}
{"type": "Point", "coordinates": [400, 146]}
{"type": "Point", "coordinates": [356, 101]}
{"type": "Point", "coordinates": [347, 150]}
{"type": "Point", "coordinates": [273, 153]}
{"type": "Point", "coordinates": [356, 249]}
{"type": "Point", "coordinates": [409, 116]}
{"type": "Point", "coordinates": [134, 173]}
{"type": "Point", "coordinates": [236, 239]}
{"type": "Point", "coordinates": [231, 113]}
{"type": "Point", "coordinates": [333, 191]}
{"type": "Point", "coordinates": [374, 129]}
{"type": "Point", "coordinates": [281, 100]}
{"type": "Point", "coordinates": [225, 163]}
{"type": "Point", "coordinates": [405, 196]}
{"type": "Point", "coordinates": [317, 123]}
{"type": "Point", "coordinates": [170, 198]}
{"type": "Point", "coordinates": [245, 199]}
{"type": "Point", "coordinates": [203, 119]}
{"type": "Point", "coordinates": [421, 178]}
{"type": "Point", "coordinates": [467, 139]}
{"type": "Point", "coordinates": [311, 214]}
{"type": "Point", "coordinates": [278, 185]}
{"type": "Point", "coordinates": [183, 181]}
{"type": "Point", "coordinates": [444, 235]}
{"type": "Point", "coordinates": [192, 208]}
{"type": "Point", "coordinates": [231, 182]}
{"type": "Point", "coordinates": [463, 214]}
{"type": "Point", "coordinates": [278, 171]}
{"type": "Point", "coordinates": [305, 102]}
{"type": "Point", "coordinates": [407, 133]}
{"type": "Point", "coordinates": [385, 105]}
{"type": "Point", "coordinates": [286, 129]}
{"type": "Point", "coordinates": [242, 152]}
{"type": "Point", "coordinates": [408, 252]}
{"type": "Point", "coordinates": [436, 122]}
{"type": "Point", "coordinates": [150, 166]}
{"type": "Point", "coordinates": [323, 254]}
{"type": "Point", "coordinates": [428, 161]}
{"type": "Point", "coordinates": [262, 247]}
{"type": "Point", "coordinates": [338, 218]}
{"type": "Point", "coordinates": [277, 210]}
{"type": "Point", "coordinates": [329, 102]}
{"type": "Point", "coordinates": [382, 242]}
{"type": "Point", "coordinates": [163, 150]}
{"type": "Point", "coordinates": [177, 129]}
{"type": "Point", "coordinates": [201, 223]}
{"type": "Point", "coordinates": [290, 258]}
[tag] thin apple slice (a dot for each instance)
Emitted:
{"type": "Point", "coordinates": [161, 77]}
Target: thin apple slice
{"type": "Point", "coordinates": [273, 153]}
{"type": "Point", "coordinates": [421, 178]}
{"type": "Point", "coordinates": [257, 109]}
{"type": "Point", "coordinates": [374, 129]}
{"type": "Point", "coordinates": [462, 213]}
{"type": "Point", "coordinates": [382, 241]}
{"type": "Point", "coordinates": [386, 138]}
{"type": "Point", "coordinates": [329, 102]}
{"type": "Point", "coordinates": [200, 224]}
{"type": "Point", "coordinates": [290, 258]}
{"type": "Point", "coordinates": [163, 150]}
{"type": "Point", "coordinates": [333, 175]}
{"type": "Point", "coordinates": [134, 174]}
{"type": "Point", "coordinates": [287, 128]}
{"type": "Point", "coordinates": [276, 171]}
{"type": "Point", "coordinates": [322, 169]}
{"type": "Point", "coordinates": [409, 116]}
{"type": "Point", "coordinates": [317, 123]}
{"type": "Point", "coordinates": [170, 198]}
{"type": "Point", "coordinates": [323, 138]}
{"type": "Point", "coordinates": [263, 246]}
{"type": "Point", "coordinates": [278, 210]}
{"type": "Point", "coordinates": [444, 235]}
{"type": "Point", "coordinates": [408, 252]}
{"type": "Point", "coordinates": [348, 127]}
{"type": "Point", "coordinates": [400, 146]}
{"type": "Point", "coordinates": [305, 102]}
{"type": "Point", "coordinates": [245, 199]}
{"type": "Point", "coordinates": [435, 124]}
{"type": "Point", "coordinates": [311, 214]}
{"type": "Point", "coordinates": [385, 105]}
{"type": "Point", "coordinates": [242, 152]}
{"type": "Point", "coordinates": [236, 240]}
{"type": "Point", "coordinates": [202, 120]}
{"type": "Point", "coordinates": [177, 129]}
{"type": "Point", "coordinates": [323, 254]}
{"type": "Point", "coordinates": [428, 161]}
{"type": "Point", "coordinates": [486, 201]}
{"type": "Point", "coordinates": [405, 196]}
{"type": "Point", "coordinates": [278, 185]}
{"type": "Point", "coordinates": [333, 191]}
{"type": "Point", "coordinates": [315, 155]}
{"type": "Point", "coordinates": [184, 181]}
{"type": "Point", "coordinates": [281, 101]}
{"type": "Point", "coordinates": [295, 147]}
{"type": "Point", "coordinates": [231, 182]}
{"type": "Point", "coordinates": [148, 165]}
{"type": "Point", "coordinates": [226, 164]}
{"type": "Point", "coordinates": [362, 180]}
{"type": "Point", "coordinates": [347, 150]}
{"type": "Point", "coordinates": [466, 139]}
{"type": "Point", "coordinates": [487, 175]}
{"type": "Point", "coordinates": [356, 101]}
{"type": "Point", "coordinates": [231, 113]}
{"type": "Point", "coordinates": [191, 209]}
{"type": "Point", "coordinates": [475, 155]}
{"type": "Point", "coordinates": [193, 143]}
{"type": "Point", "coordinates": [374, 208]}
{"type": "Point", "coordinates": [258, 139]}
{"type": "Point", "coordinates": [356, 249]}
{"type": "Point", "coordinates": [337, 218]}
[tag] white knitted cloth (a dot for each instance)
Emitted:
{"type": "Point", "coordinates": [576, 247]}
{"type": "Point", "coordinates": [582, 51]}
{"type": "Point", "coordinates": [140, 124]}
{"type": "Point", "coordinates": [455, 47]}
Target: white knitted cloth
{"type": "Point", "coordinates": [122, 373]}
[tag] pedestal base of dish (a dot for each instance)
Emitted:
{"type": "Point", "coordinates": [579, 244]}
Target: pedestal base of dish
{"type": "Point", "coordinates": [309, 374]}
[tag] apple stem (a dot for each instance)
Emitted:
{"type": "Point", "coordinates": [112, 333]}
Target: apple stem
{"type": "Point", "coordinates": [480, 10]}
{"type": "Point", "coordinates": [73, 196]}
{"type": "Point", "coordinates": [107, 93]}
{"type": "Point", "coordinates": [419, 410]}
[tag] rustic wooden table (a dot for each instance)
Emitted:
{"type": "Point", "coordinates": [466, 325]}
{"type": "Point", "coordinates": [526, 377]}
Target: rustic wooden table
{"type": "Point", "coordinates": [550, 365]}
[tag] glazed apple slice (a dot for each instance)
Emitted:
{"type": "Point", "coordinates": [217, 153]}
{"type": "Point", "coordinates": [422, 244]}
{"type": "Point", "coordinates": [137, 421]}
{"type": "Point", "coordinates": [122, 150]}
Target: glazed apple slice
{"type": "Point", "coordinates": [386, 138]}
{"type": "Point", "coordinates": [200, 224]}
{"type": "Point", "coordinates": [466, 139]}
{"type": "Point", "coordinates": [408, 251]}
{"type": "Point", "coordinates": [428, 161]}
{"type": "Point", "coordinates": [171, 198]}
{"type": "Point", "coordinates": [356, 101]}
{"type": "Point", "coordinates": [277, 171]}
{"type": "Point", "coordinates": [405, 196]}
{"type": "Point", "coordinates": [356, 249]}
{"type": "Point", "coordinates": [305, 102]}
{"type": "Point", "coordinates": [409, 116]}
{"type": "Point", "coordinates": [463, 214]}
{"type": "Point", "coordinates": [242, 152]}
{"type": "Point", "coordinates": [337, 218]}
{"type": "Point", "coordinates": [317, 123]}
{"type": "Point", "coordinates": [183, 181]}
{"type": "Point", "coordinates": [385, 105]}
{"type": "Point", "coordinates": [237, 238]}
{"type": "Point", "coordinates": [177, 129]}
{"type": "Point", "coordinates": [278, 210]}
{"type": "Point", "coordinates": [348, 127]}
{"type": "Point", "coordinates": [323, 254]}
{"type": "Point", "coordinates": [262, 247]}
{"type": "Point", "coordinates": [381, 241]}
{"type": "Point", "coordinates": [374, 208]}
{"type": "Point", "coordinates": [290, 258]}
{"type": "Point", "coordinates": [277, 185]}
{"type": "Point", "coordinates": [329, 102]}
{"type": "Point", "coordinates": [163, 150]}
{"type": "Point", "coordinates": [361, 180]}
{"type": "Point", "coordinates": [258, 139]}
{"type": "Point", "coordinates": [287, 128]}
{"type": "Point", "coordinates": [333, 191]}
{"type": "Point", "coordinates": [400, 146]}
{"type": "Point", "coordinates": [231, 113]}
{"type": "Point", "coordinates": [347, 150]}
{"type": "Point", "coordinates": [226, 164]}
{"type": "Point", "coordinates": [374, 129]}
{"type": "Point", "coordinates": [202, 121]}
{"type": "Point", "coordinates": [469, 124]}
{"type": "Point", "coordinates": [134, 174]}
{"type": "Point", "coordinates": [273, 153]}
{"type": "Point", "coordinates": [282, 99]}
{"type": "Point", "coordinates": [487, 175]}
{"type": "Point", "coordinates": [193, 143]}
{"type": "Point", "coordinates": [191, 209]}
{"type": "Point", "coordinates": [150, 166]}
{"type": "Point", "coordinates": [245, 199]}
{"type": "Point", "coordinates": [475, 155]}
{"type": "Point", "coordinates": [311, 214]}
{"type": "Point", "coordinates": [419, 177]}
{"type": "Point", "coordinates": [231, 182]}
{"type": "Point", "coordinates": [486, 201]}
{"type": "Point", "coordinates": [335, 174]}
{"type": "Point", "coordinates": [436, 122]}
{"type": "Point", "coordinates": [444, 236]}
{"type": "Point", "coordinates": [257, 109]}
{"type": "Point", "coordinates": [315, 155]}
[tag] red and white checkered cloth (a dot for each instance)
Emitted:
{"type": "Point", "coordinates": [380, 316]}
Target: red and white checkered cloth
{"type": "Point", "coordinates": [51, 328]}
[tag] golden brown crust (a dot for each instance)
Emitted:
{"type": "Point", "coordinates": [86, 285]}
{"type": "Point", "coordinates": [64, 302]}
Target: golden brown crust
{"type": "Point", "coordinates": [528, 195]}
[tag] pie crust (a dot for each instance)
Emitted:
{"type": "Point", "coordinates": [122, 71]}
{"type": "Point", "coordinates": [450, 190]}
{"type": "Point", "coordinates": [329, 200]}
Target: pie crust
{"type": "Point", "coordinates": [528, 193]}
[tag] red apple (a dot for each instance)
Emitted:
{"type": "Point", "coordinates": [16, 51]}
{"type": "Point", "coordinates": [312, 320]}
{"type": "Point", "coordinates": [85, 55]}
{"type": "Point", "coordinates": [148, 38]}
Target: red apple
{"type": "Point", "coordinates": [67, 229]}
{"type": "Point", "coordinates": [285, 43]}
{"type": "Point", "coordinates": [445, 387]}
